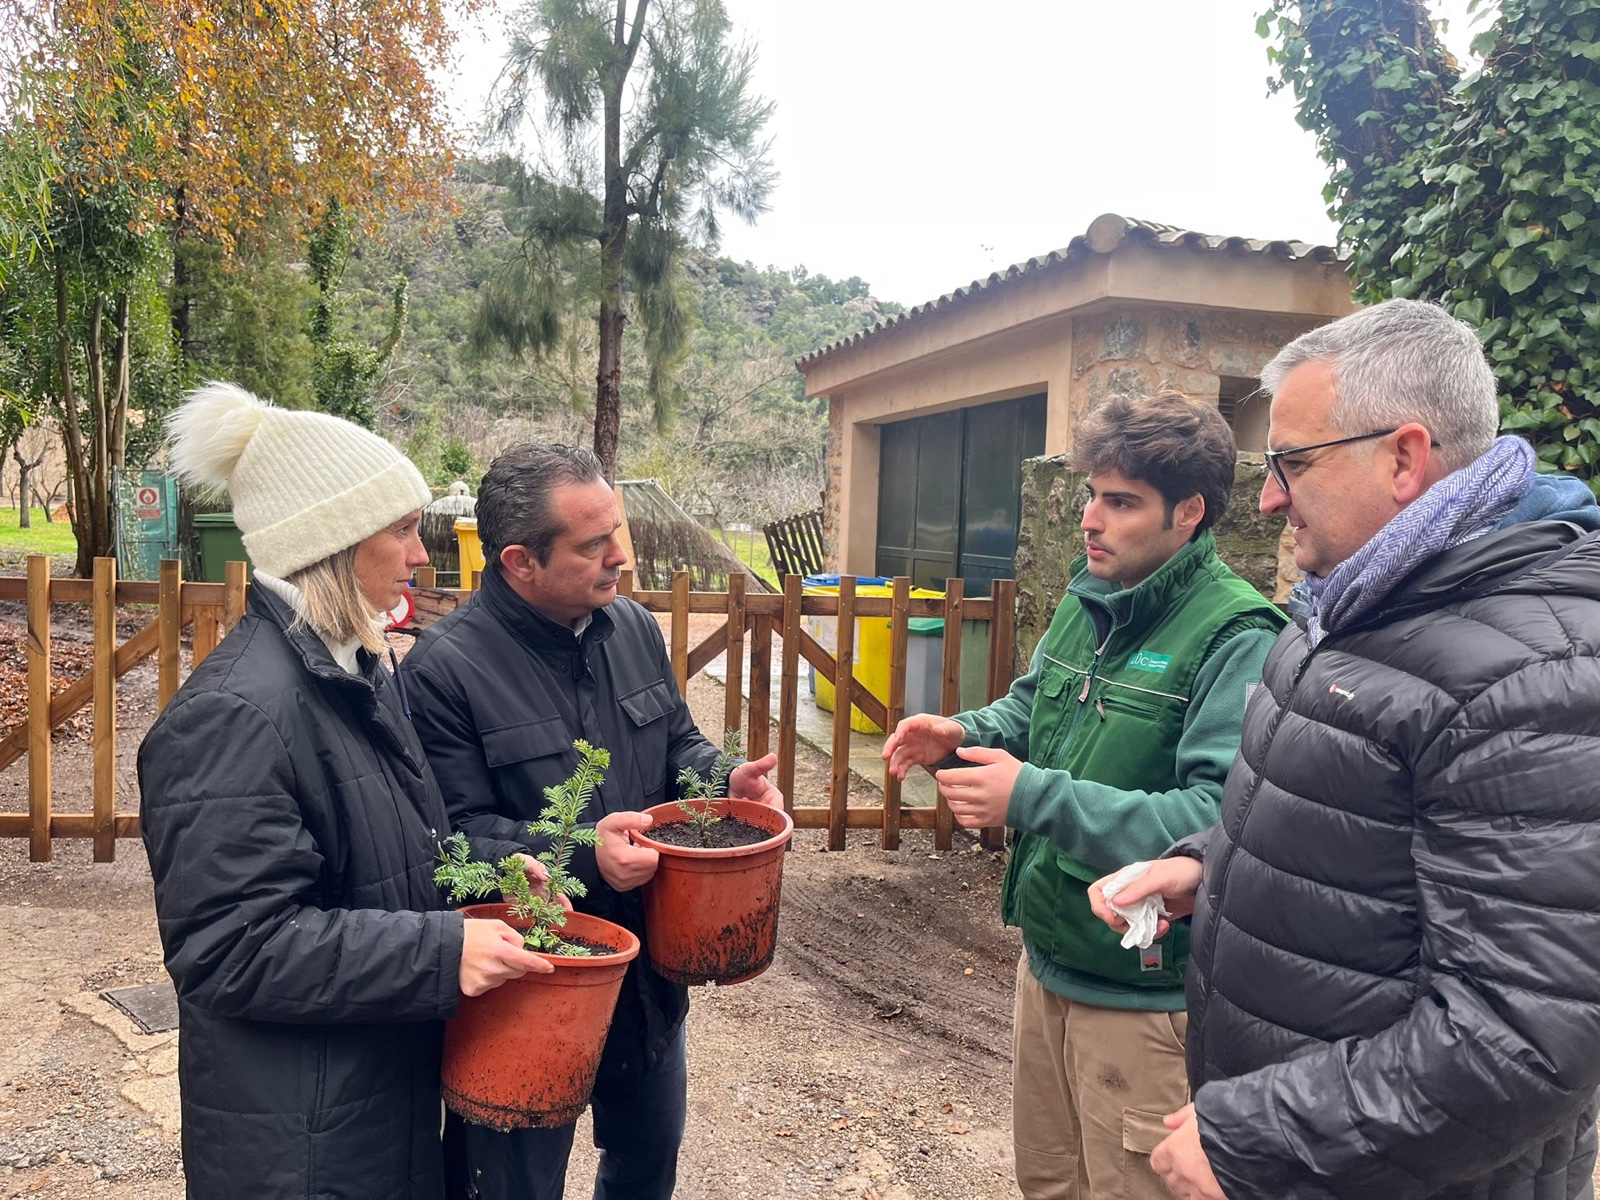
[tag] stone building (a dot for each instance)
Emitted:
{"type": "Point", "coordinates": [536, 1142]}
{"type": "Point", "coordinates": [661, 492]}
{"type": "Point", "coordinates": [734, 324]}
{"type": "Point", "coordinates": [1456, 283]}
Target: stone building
{"type": "Point", "coordinates": [932, 413]}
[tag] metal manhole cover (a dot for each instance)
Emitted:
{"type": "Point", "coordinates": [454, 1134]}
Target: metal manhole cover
{"type": "Point", "coordinates": [153, 1007]}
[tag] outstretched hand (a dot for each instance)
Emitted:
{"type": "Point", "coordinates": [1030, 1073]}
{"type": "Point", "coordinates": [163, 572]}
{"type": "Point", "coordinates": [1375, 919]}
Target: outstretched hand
{"type": "Point", "coordinates": [979, 795]}
{"type": "Point", "coordinates": [921, 741]}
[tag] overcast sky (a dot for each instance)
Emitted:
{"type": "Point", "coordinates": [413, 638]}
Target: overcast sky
{"type": "Point", "coordinates": [921, 146]}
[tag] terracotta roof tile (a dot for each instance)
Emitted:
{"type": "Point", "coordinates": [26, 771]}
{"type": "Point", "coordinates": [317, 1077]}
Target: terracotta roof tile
{"type": "Point", "coordinates": [1104, 235]}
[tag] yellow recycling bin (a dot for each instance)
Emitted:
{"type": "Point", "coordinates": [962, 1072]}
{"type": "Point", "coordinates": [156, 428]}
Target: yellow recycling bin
{"type": "Point", "coordinates": [471, 550]}
{"type": "Point", "coordinates": [871, 648]}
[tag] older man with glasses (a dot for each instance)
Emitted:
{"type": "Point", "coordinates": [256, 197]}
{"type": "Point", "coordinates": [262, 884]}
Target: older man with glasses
{"type": "Point", "coordinates": [1395, 982]}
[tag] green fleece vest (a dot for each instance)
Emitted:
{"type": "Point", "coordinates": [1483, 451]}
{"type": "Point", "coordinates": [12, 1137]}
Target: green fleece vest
{"type": "Point", "coordinates": [1110, 708]}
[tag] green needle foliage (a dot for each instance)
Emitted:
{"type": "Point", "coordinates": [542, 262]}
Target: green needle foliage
{"type": "Point", "coordinates": [558, 821]}
{"type": "Point", "coordinates": [696, 792]}
{"type": "Point", "coordinates": [655, 131]}
{"type": "Point", "coordinates": [1477, 192]}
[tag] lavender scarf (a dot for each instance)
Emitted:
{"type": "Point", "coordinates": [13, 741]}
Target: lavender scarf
{"type": "Point", "coordinates": [1460, 507]}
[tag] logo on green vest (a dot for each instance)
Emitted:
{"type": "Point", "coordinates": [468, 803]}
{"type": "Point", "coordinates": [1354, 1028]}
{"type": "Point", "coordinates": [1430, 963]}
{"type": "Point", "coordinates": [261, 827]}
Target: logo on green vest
{"type": "Point", "coordinates": [1156, 664]}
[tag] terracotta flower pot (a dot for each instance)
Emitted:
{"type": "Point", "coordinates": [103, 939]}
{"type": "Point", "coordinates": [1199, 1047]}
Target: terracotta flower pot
{"type": "Point", "coordinates": [711, 916]}
{"type": "Point", "coordinates": [525, 1054]}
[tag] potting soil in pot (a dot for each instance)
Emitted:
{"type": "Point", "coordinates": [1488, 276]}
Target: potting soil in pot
{"type": "Point", "coordinates": [725, 834]}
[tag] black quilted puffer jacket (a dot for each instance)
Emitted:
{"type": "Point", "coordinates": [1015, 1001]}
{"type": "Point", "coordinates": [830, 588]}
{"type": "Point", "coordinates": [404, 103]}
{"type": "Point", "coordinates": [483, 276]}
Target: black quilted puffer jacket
{"type": "Point", "coordinates": [1395, 989]}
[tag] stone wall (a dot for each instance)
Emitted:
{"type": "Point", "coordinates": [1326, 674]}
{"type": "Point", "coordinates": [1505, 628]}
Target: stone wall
{"type": "Point", "coordinates": [1133, 350]}
{"type": "Point", "coordinates": [834, 486]}
{"type": "Point", "coordinates": [1050, 539]}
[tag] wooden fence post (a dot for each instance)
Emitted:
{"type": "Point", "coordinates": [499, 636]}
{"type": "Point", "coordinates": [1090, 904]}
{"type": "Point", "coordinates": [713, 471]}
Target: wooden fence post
{"type": "Point", "coordinates": [625, 583]}
{"type": "Point", "coordinates": [105, 710]}
{"type": "Point", "coordinates": [949, 694]}
{"type": "Point", "coordinates": [426, 577]}
{"type": "Point", "coordinates": [732, 706]}
{"type": "Point", "coordinates": [760, 710]}
{"type": "Point", "coordinates": [233, 594]}
{"type": "Point", "coordinates": [844, 678]}
{"type": "Point", "coordinates": [789, 689]}
{"type": "Point", "coordinates": [680, 630]}
{"type": "Point", "coordinates": [169, 592]}
{"type": "Point", "coordinates": [899, 603]}
{"type": "Point", "coordinates": [38, 708]}
{"type": "Point", "coordinates": [1002, 668]}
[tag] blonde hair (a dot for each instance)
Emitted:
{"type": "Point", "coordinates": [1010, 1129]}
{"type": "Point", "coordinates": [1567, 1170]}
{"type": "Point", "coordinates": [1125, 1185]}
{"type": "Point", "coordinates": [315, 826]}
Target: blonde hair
{"type": "Point", "coordinates": [334, 605]}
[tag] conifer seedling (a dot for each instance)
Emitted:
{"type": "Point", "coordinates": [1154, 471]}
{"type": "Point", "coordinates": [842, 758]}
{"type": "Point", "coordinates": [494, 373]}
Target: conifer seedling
{"type": "Point", "coordinates": [698, 794]}
{"type": "Point", "coordinates": [558, 820]}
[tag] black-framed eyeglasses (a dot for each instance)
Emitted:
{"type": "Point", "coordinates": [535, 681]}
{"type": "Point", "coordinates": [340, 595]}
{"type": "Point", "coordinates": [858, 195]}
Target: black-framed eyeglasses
{"type": "Point", "coordinates": [1276, 467]}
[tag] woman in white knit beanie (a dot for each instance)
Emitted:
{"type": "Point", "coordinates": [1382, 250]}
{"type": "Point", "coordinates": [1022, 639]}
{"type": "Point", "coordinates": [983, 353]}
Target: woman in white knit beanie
{"type": "Point", "coordinates": [293, 825]}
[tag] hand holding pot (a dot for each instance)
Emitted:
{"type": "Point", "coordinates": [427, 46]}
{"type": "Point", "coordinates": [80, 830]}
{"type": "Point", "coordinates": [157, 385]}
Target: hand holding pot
{"type": "Point", "coordinates": [748, 781]}
{"type": "Point", "coordinates": [623, 865]}
{"type": "Point", "coordinates": [921, 741]}
{"type": "Point", "coordinates": [492, 953]}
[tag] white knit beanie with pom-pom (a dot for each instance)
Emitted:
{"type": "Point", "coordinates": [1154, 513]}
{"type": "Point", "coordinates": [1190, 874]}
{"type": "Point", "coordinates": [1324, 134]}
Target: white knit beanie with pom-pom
{"type": "Point", "coordinates": [305, 485]}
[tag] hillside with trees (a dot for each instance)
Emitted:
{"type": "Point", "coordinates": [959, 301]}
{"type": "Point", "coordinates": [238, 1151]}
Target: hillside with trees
{"type": "Point", "coordinates": [733, 439]}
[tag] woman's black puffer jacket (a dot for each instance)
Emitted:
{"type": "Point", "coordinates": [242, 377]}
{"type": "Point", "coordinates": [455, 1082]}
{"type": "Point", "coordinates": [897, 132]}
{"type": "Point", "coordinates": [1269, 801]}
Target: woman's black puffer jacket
{"type": "Point", "coordinates": [1395, 989]}
{"type": "Point", "coordinates": [292, 827]}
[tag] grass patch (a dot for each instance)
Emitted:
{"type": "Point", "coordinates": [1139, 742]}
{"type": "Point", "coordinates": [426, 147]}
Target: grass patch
{"type": "Point", "coordinates": [750, 547]}
{"type": "Point", "coordinates": [44, 537]}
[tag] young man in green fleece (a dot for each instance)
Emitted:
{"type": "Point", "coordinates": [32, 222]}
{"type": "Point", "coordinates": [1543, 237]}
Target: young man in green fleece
{"type": "Point", "coordinates": [1115, 744]}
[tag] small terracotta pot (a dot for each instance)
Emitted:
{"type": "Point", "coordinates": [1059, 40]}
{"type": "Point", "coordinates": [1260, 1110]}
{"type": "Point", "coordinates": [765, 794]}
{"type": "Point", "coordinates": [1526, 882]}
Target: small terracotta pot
{"type": "Point", "coordinates": [711, 916]}
{"type": "Point", "coordinates": [525, 1054]}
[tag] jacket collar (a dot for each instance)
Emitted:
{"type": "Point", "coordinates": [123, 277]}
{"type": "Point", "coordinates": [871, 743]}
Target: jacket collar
{"type": "Point", "coordinates": [1145, 601]}
{"type": "Point", "coordinates": [1551, 557]}
{"type": "Point", "coordinates": [535, 629]}
{"type": "Point", "coordinates": [307, 645]}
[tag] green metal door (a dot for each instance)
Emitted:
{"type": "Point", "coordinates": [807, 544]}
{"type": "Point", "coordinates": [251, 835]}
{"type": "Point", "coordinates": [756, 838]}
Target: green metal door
{"type": "Point", "coordinates": [146, 521]}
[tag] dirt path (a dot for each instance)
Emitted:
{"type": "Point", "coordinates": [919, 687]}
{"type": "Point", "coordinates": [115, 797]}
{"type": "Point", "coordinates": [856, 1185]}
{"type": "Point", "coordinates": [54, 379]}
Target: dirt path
{"type": "Point", "coordinates": [872, 1060]}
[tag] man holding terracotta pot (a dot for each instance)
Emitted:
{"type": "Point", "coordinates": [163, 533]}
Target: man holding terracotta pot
{"type": "Point", "coordinates": [543, 654]}
{"type": "Point", "coordinates": [1117, 739]}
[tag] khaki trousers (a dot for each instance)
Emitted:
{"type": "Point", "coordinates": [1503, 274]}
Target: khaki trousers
{"type": "Point", "coordinates": [1089, 1088]}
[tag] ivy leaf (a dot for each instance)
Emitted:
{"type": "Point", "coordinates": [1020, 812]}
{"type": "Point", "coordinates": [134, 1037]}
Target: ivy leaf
{"type": "Point", "coordinates": [1517, 279]}
{"type": "Point", "coordinates": [1394, 77]}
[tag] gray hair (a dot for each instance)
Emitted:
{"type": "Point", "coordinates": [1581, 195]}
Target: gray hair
{"type": "Point", "coordinates": [514, 498]}
{"type": "Point", "coordinates": [1398, 362]}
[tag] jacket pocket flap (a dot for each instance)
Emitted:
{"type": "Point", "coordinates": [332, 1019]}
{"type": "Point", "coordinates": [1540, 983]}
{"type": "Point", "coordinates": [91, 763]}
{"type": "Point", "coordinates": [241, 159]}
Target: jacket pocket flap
{"type": "Point", "coordinates": [518, 743]}
{"type": "Point", "coordinates": [1142, 1132]}
{"type": "Point", "coordinates": [649, 703]}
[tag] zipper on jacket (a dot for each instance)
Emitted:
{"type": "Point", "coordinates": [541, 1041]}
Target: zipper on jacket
{"type": "Point", "coordinates": [1066, 744]}
{"type": "Point", "coordinates": [1249, 805]}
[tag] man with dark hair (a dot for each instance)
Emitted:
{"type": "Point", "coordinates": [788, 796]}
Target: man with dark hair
{"type": "Point", "coordinates": [545, 653]}
{"type": "Point", "coordinates": [1116, 742]}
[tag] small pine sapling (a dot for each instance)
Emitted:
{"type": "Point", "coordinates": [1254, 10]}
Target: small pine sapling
{"type": "Point", "coordinates": [558, 820]}
{"type": "Point", "coordinates": [698, 794]}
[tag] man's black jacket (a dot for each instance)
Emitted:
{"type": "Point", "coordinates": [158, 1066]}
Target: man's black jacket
{"type": "Point", "coordinates": [498, 693]}
{"type": "Point", "coordinates": [1395, 988]}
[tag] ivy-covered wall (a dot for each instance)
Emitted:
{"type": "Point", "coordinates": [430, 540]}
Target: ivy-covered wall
{"type": "Point", "coordinates": [1050, 539]}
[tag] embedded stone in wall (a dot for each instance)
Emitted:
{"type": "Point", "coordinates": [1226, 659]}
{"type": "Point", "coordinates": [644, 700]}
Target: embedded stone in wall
{"type": "Point", "coordinates": [1128, 381]}
{"type": "Point", "coordinates": [1123, 338]}
{"type": "Point", "coordinates": [1241, 361]}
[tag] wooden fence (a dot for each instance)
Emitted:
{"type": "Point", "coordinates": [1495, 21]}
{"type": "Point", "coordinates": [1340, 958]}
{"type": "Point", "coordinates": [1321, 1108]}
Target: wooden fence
{"type": "Point", "coordinates": [751, 622]}
{"type": "Point", "coordinates": [210, 608]}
